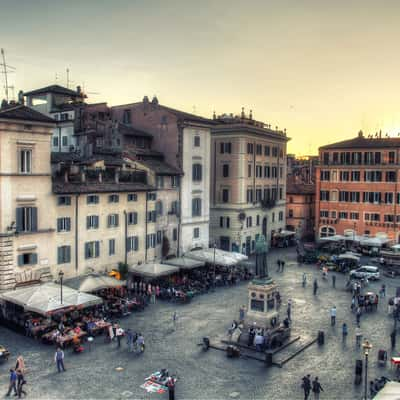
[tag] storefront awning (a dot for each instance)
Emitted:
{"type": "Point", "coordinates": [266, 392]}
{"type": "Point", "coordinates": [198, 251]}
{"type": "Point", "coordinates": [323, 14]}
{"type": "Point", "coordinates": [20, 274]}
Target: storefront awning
{"type": "Point", "coordinates": [374, 242]}
{"type": "Point", "coordinates": [283, 234]}
{"type": "Point", "coordinates": [153, 270]}
{"type": "Point", "coordinates": [46, 299]}
{"type": "Point", "coordinates": [184, 263]}
{"type": "Point", "coordinates": [93, 282]}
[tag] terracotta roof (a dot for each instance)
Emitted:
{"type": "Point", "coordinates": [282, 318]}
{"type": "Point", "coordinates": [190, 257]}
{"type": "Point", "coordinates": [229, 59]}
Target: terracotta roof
{"type": "Point", "coordinates": [131, 131]}
{"type": "Point", "coordinates": [160, 167]}
{"type": "Point", "coordinates": [364, 143]}
{"type": "Point", "coordinates": [300, 188]}
{"type": "Point", "coordinates": [56, 89]}
{"type": "Point", "coordinates": [79, 187]}
{"type": "Point", "coordinates": [24, 113]}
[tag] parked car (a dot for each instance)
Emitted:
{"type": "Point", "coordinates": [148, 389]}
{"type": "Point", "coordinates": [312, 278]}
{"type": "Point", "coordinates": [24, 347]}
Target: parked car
{"type": "Point", "coordinates": [366, 271]}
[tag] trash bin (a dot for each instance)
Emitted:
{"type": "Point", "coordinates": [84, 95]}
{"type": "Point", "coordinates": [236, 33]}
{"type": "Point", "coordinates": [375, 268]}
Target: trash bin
{"type": "Point", "coordinates": [268, 359]}
{"type": "Point", "coordinates": [359, 369]}
{"type": "Point", "coordinates": [206, 343]}
{"type": "Point", "coordinates": [321, 338]}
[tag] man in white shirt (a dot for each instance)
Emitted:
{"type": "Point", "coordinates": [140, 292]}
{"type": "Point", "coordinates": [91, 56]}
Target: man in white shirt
{"type": "Point", "coordinates": [119, 333]}
{"type": "Point", "coordinates": [333, 315]}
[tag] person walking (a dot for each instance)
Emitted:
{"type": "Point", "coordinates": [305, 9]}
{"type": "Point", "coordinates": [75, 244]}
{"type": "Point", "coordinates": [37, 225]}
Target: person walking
{"type": "Point", "coordinates": [353, 303]}
{"type": "Point", "coordinates": [59, 359]}
{"type": "Point", "coordinates": [119, 333]}
{"type": "Point", "coordinates": [393, 339]}
{"type": "Point", "coordinates": [13, 383]}
{"type": "Point", "coordinates": [289, 310]}
{"type": "Point", "coordinates": [358, 337]}
{"type": "Point", "coordinates": [20, 383]}
{"type": "Point", "coordinates": [129, 340]}
{"type": "Point", "coordinates": [304, 280]}
{"type": "Point", "coordinates": [174, 319]}
{"type": "Point", "coordinates": [306, 385]}
{"type": "Point", "coordinates": [315, 287]}
{"type": "Point", "coordinates": [334, 281]}
{"type": "Point", "coordinates": [171, 388]}
{"type": "Point", "coordinates": [278, 262]}
{"type": "Point", "coordinates": [333, 315]}
{"type": "Point", "coordinates": [241, 313]}
{"type": "Point", "coordinates": [358, 316]}
{"type": "Point", "coordinates": [316, 388]}
{"type": "Point", "coordinates": [282, 265]}
{"type": "Point", "coordinates": [382, 291]}
{"type": "Point", "coordinates": [344, 331]}
{"type": "Point", "coordinates": [20, 364]}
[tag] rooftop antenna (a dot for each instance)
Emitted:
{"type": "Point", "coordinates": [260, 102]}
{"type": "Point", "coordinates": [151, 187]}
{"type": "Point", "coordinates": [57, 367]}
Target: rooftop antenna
{"type": "Point", "coordinates": [7, 69]}
{"type": "Point", "coordinates": [69, 82]}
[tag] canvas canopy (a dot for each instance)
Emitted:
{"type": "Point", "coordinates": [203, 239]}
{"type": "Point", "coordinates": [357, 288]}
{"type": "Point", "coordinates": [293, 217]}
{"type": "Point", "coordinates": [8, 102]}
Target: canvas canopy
{"type": "Point", "coordinates": [374, 242]}
{"type": "Point", "coordinates": [45, 299]}
{"type": "Point", "coordinates": [224, 258]}
{"type": "Point", "coordinates": [153, 270]}
{"type": "Point", "coordinates": [93, 282]}
{"type": "Point", "coordinates": [283, 233]}
{"type": "Point", "coordinates": [334, 238]}
{"type": "Point", "coordinates": [348, 256]}
{"type": "Point", "coordinates": [184, 263]}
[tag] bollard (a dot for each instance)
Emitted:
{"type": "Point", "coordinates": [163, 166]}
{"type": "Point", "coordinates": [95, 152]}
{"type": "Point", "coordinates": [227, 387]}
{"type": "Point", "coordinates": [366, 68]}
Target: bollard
{"type": "Point", "coordinates": [359, 369]}
{"type": "Point", "coordinates": [321, 338]}
{"type": "Point", "coordinates": [206, 343]}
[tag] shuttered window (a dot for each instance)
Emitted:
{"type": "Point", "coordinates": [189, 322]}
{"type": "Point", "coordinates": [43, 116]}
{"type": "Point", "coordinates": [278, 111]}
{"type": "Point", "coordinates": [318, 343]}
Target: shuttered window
{"type": "Point", "coordinates": [26, 219]}
{"type": "Point", "coordinates": [132, 243]}
{"type": "Point", "coordinates": [196, 207]}
{"type": "Point", "coordinates": [63, 224]}
{"type": "Point", "coordinates": [92, 222]}
{"type": "Point", "coordinates": [27, 259]}
{"type": "Point", "coordinates": [92, 249]}
{"type": "Point", "coordinates": [63, 254]}
{"type": "Point", "coordinates": [113, 220]}
{"type": "Point", "coordinates": [132, 218]}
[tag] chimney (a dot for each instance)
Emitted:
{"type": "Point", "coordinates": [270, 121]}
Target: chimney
{"type": "Point", "coordinates": [251, 114]}
{"type": "Point", "coordinates": [214, 115]}
{"type": "Point", "coordinates": [145, 100]}
{"type": "Point", "coordinates": [21, 97]}
{"type": "Point", "coordinates": [78, 90]}
{"type": "Point", "coordinates": [360, 134]}
{"type": "Point", "coordinates": [242, 114]}
{"type": "Point", "coordinates": [154, 101]}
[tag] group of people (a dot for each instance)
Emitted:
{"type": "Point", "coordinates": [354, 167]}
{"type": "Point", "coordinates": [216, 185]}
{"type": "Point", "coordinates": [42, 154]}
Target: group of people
{"type": "Point", "coordinates": [311, 386]}
{"type": "Point", "coordinates": [17, 378]}
{"type": "Point", "coordinates": [134, 340]}
{"type": "Point", "coordinates": [281, 265]}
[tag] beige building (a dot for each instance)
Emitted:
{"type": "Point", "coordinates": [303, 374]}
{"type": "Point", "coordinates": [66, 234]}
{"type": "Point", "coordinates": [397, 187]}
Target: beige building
{"type": "Point", "coordinates": [248, 182]}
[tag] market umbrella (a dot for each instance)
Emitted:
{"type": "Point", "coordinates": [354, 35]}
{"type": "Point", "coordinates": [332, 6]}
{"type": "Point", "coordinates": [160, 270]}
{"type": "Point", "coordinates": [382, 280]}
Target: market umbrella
{"type": "Point", "coordinates": [184, 263]}
{"type": "Point", "coordinates": [94, 282]}
{"type": "Point", "coordinates": [153, 270]}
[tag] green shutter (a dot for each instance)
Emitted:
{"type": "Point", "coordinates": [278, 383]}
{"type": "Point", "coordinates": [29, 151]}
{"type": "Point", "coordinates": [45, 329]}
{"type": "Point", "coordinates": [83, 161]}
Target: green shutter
{"type": "Point", "coordinates": [33, 258]}
{"type": "Point", "coordinates": [19, 212]}
{"type": "Point", "coordinates": [34, 224]}
{"type": "Point", "coordinates": [59, 255]}
{"type": "Point", "coordinates": [20, 260]}
{"type": "Point", "coordinates": [97, 249]}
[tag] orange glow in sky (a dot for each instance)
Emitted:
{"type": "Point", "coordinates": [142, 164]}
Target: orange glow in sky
{"type": "Point", "coordinates": [322, 70]}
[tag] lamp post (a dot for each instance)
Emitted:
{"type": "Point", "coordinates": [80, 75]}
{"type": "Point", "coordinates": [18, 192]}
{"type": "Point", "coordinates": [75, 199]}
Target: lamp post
{"type": "Point", "coordinates": [215, 247]}
{"type": "Point", "coordinates": [61, 276]}
{"type": "Point", "coordinates": [366, 346]}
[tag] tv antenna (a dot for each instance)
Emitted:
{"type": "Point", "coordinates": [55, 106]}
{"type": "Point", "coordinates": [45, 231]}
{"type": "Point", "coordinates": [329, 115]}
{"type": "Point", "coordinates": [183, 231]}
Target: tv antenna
{"type": "Point", "coordinates": [69, 82]}
{"type": "Point", "coordinates": [7, 69]}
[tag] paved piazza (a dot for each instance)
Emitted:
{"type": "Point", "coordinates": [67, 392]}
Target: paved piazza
{"type": "Point", "coordinates": [211, 375]}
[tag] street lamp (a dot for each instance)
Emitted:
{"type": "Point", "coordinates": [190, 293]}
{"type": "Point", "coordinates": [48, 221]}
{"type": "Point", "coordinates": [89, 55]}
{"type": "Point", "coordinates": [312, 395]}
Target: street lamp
{"type": "Point", "coordinates": [61, 276]}
{"type": "Point", "coordinates": [366, 346]}
{"type": "Point", "coordinates": [215, 247]}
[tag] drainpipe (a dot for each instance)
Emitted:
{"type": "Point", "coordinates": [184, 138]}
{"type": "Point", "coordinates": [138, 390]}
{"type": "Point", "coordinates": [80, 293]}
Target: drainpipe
{"type": "Point", "coordinates": [76, 233]}
{"type": "Point", "coordinates": [179, 210]}
{"type": "Point", "coordinates": [215, 174]}
{"type": "Point", "coordinates": [126, 237]}
{"type": "Point", "coordinates": [254, 172]}
{"type": "Point", "coordinates": [145, 229]}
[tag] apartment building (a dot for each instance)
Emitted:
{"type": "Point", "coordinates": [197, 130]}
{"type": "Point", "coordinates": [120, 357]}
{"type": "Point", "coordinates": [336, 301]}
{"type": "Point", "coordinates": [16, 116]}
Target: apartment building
{"type": "Point", "coordinates": [248, 182]}
{"type": "Point", "coordinates": [184, 140]}
{"type": "Point", "coordinates": [358, 187]}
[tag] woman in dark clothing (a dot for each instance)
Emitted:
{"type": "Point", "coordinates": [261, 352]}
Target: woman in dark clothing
{"type": "Point", "coordinates": [316, 388]}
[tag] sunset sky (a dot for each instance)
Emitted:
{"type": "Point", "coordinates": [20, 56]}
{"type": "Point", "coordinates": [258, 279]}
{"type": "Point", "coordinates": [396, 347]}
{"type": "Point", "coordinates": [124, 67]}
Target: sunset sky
{"type": "Point", "coordinates": [321, 69]}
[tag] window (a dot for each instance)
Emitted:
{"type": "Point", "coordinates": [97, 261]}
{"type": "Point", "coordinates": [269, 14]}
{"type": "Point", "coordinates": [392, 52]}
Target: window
{"type": "Point", "coordinates": [92, 199]}
{"type": "Point", "coordinates": [159, 207]}
{"type": "Point", "coordinates": [196, 141]}
{"type": "Point", "coordinates": [64, 200]}
{"type": "Point", "coordinates": [175, 234]}
{"type": "Point", "coordinates": [225, 148]}
{"type": "Point", "coordinates": [197, 172]}
{"type": "Point", "coordinates": [151, 241]}
{"type": "Point", "coordinates": [324, 175]}
{"type": "Point", "coordinates": [159, 237]}
{"type": "Point", "coordinates": [258, 194]}
{"type": "Point", "coordinates": [64, 116]}
{"type": "Point", "coordinates": [55, 141]}
{"type": "Point", "coordinates": [225, 195]}
{"type": "Point", "coordinates": [355, 176]}
{"type": "Point", "coordinates": [225, 170]}
{"type": "Point", "coordinates": [160, 182]}
{"type": "Point", "coordinates": [280, 193]}
{"type": "Point", "coordinates": [132, 197]}
{"type": "Point", "coordinates": [391, 176]}
{"type": "Point", "coordinates": [65, 141]}
{"type": "Point", "coordinates": [126, 117]}
{"type": "Point", "coordinates": [280, 172]}
{"type": "Point", "coordinates": [174, 208]}
{"type": "Point", "coordinates": [267, 171]}
{"type": "Point", "coordinates": [249, 195]}
{"type": "Point", "coordinates": [392, 157]}
{"type": "Point", "coordinates": [111, 247]}
{"type": "Point", "coordinates": [389, 198]}
{"type": "Point", "coordinates": [259, 149]}
{"type": "Point", "coordinates": [26, 219]}
{"type": "Point", "coordinates": [290, 213]}
{"type": "Point", "coordinates": [63, 224]}
{"type": "Point", "coordinates": [152, 216]}
{"type": "Point", "coordinates": [373, 176]}
{"type": "Point", "coordinates": [250, 148]}
{"type": "Point", "coordinates": [113, 198]}
{"type": "Point", "coordinates": [132, 243]}
{"type": "Point", "coordinates": [92, 221]}
{"type": "Point", "coordinates": [228, 222]}
{"type": "Point", "coordinates": [63, 254]}
{"type": "Point", "coordinates": [113, 220]}
{"type": "Point", "coordinates": [174, 181]}
{"type": "Point", "coordinates": [196, 207]}
{"type": "Point", "coordinates": [327, 231]}
{"type": "Point", "coordinates": [258, 171]}
{"type": "Point", "coordinates": [280, 215]}
{"type": "Point", "coordinates": [196, 233]}
{"type": "Point", "coordinates": [249, 222]}
{"type": "Point", "coordinates": [221, 222]}
{"type": "Point", "coordinates": [324, 214]}
{"type": "Point", "coordinates": [152, 196]}
{"type": "Point", "coordinates": [324, 195]}
{"type": "Point", "coordinates": [344, 176]}
{"type": "Point", "coordinates": [132, 218]}
{"type": "Point", "coordinates": [273, 217]}
{"type": "Point", "coordinates": [27, 259]}
{"type": "Point", "coordinates": [354, 215]}
{"type": "Point", "coordinates": [25, 161]}
{"type": "Point", "coordinates": [375, 217]}
{"type": "Point", "coordinates": [274, 152]}
{"type": "Point", "coordinates": [333, 214]}
{"type": "Point", "coordinates": [249, 170]}
{"type": "Point", "coordinates": [92, 249]}
{"type": "Point", "coordinates": [343, 215]}
{"type": "Point", "coordinates": [388, 218]}
{"type": "Point", "coordinates": [258, 220]}
{"type": "Point", "coordinates": [274, 172]}
{"type": "Point", "coordinates": [266, 151]}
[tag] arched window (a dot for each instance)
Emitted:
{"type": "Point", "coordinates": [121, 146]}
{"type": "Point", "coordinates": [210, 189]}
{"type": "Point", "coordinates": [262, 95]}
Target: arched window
{"type": "Point", "coordinates": [326, 231]}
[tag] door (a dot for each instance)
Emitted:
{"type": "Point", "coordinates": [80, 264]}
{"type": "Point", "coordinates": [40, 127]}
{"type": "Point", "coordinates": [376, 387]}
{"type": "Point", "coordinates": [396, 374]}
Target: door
{"type": "Point", "coordinates": [224, 243]}
{"type": "Point", "coordinates": [264, 227]}
{"type": "Point", "coordinates": [248, 245]}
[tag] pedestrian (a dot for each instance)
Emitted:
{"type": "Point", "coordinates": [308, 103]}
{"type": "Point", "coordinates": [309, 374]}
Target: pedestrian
{"type": "Point", "coordinates": [393, 339]}
{"type": "Point", "coordinates": [20, 383]}
{"type": "Point", "coordinates": [59, 359]}
{"type": "Point", "coordinates": [316, 388]}
{"type": "Point", "coordinates": [129, 339]}
{"type": "Point", "coordinates": [334, 281]}
{"type": "Point", "coordinates": [344, 331]}
{"type": "Point", "coordinates": [171, 388]}
{"type": "Point", "coordinates": [306, 385]}
{"type": "Point", "coordinates": [358, 337]}
{"type": "Point", "coordinates": [315, 287]}
{"type": "Point", "coordinates": [304, 282]}
{"type": "Point", "coordinates": [353, 303]}
{"type": "Point", "coordinates": [382, 292]}
{"type": "Point", "coordinates": [174, 319]}
{"type": "Point", "coordinates": [241, 313]}
{"type": "Point", "coordinates": [282, 265]}
{"type": "Point", "coordinates": [13, 383]}
{"type": "Point", "coordinates": [278, 262]}
{"type": "Point", "coordinates": [20, 364]}
{"type": "Point", "coordinates": [358, 316]}
{"type": "Point", "coordinates": [333, 315]}
{"type": "Point", "coordinates": [119, 333]}
{"type": "Point", "coordinates": [289, 310]}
